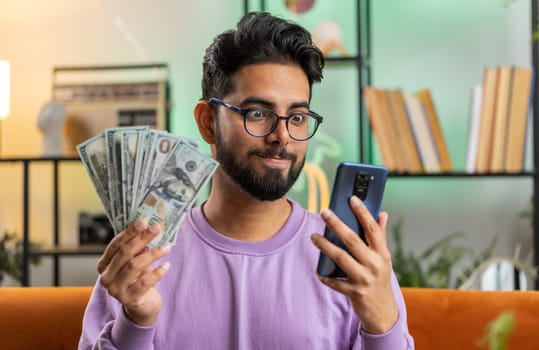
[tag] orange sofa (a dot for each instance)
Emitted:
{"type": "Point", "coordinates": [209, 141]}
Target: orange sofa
{"type": "Point", "coordinates": [439, 319]}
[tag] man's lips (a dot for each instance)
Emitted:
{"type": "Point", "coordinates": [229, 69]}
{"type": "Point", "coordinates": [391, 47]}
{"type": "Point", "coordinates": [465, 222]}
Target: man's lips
{"type": "Point", "coordinates": [283, 155]}
{"type": "Point", "coordinates": [274, 158]}
{"type": "Point", "coordinates": [275, 161]}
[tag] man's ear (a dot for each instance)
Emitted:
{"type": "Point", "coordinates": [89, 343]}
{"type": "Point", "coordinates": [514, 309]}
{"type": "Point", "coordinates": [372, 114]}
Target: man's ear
{"type": "Point", "coordinates": [205, 119]}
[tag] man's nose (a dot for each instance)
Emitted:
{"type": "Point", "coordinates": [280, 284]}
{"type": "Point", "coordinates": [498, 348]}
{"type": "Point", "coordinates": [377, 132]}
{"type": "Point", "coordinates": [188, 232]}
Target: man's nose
{"type": "Point", "coordinates": [280, 134]}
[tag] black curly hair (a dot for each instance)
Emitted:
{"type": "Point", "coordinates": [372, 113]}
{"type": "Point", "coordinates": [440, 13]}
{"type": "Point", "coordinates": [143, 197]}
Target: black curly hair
{"type": "Point", "coordinates": [259, 37]}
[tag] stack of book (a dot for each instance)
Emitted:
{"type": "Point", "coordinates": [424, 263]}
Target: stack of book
{"type": "Point", "coordinates": [498, 121]}
{"type": "Point", "coordinates": [407, 131]}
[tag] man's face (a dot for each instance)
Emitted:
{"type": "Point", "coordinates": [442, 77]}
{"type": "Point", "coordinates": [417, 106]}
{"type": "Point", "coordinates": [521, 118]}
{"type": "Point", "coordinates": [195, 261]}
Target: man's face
{"type": "Point", "coordinates": [265, 167]}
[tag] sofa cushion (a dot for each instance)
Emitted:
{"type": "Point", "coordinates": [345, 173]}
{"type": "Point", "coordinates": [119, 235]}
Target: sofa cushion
{"type": "Point", "coordinates": [456, 319]}
{"type": "Point", "coordinates": [42, 317]}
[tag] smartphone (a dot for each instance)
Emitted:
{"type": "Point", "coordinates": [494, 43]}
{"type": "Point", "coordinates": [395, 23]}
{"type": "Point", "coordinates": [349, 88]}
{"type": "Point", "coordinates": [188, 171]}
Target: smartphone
{"type": "Point", "coordinates": [368, 183]}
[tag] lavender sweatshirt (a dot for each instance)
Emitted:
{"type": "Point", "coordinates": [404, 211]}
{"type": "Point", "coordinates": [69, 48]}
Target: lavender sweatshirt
{"type": "Point", "coordinates": [227, 294]}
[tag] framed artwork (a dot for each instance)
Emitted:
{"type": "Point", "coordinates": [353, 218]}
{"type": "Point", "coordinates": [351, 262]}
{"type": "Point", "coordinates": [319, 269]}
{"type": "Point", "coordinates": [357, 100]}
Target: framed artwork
{"type": "Point", "coordinates": [100, 97]}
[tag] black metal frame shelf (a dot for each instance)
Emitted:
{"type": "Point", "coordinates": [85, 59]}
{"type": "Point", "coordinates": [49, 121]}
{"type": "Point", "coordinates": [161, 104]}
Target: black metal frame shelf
{"type": "Point", "coordinates": [69, 250]}
{"type": "Point", "coordinates": [57, 250]}
{"type": "Point", "coordinates": [365, 136]}
{"type": "Point", "coordinates": [535, 135]}
{"type": "Point", "coordinates": [462, 174]}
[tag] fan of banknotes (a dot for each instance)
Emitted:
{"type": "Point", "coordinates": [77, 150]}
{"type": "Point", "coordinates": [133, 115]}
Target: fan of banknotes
{"type": "Point", "coordinates": [148, 174]}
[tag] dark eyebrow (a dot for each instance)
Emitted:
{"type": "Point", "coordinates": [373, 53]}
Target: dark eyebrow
{"type": "Point", "coordinates": [270, 105]}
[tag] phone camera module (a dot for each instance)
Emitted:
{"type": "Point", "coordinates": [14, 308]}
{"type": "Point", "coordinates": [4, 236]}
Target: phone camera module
{"type": "Point", "coordinates": [361, 185]}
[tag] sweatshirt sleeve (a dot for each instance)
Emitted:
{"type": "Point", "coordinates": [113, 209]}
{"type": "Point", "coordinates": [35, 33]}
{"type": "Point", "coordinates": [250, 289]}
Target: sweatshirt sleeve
{"type": "Point", "coordinates": [397, 338]}
{"type": "Point", "coordinates": [106, 327]}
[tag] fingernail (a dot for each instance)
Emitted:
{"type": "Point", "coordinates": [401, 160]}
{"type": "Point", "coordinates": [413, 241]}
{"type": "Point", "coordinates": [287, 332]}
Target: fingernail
{"type": "Point", "coordinates": [323, 279]}
{"type": "Point", "coordinates": [354, 200]}
{"type": "Point", "coordinates": [325, 213]}
{"type": "Point", "coordinates": [139, 225]}
{"type": "Point", "coordinates": [314, 238]}
{"type": "Point", "coordinates": [166, 248]}
{"type": "Point", "coordinates": [154, 228]}
{"type": "Point", "coordinates": [165, 266]}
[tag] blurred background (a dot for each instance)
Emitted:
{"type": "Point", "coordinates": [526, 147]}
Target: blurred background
{"type": "Point", "coordinates": [441, 45]}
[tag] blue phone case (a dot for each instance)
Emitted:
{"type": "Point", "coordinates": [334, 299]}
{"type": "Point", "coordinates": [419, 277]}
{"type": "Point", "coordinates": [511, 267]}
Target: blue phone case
{"type": "Point", "coordinates": [368, 183]}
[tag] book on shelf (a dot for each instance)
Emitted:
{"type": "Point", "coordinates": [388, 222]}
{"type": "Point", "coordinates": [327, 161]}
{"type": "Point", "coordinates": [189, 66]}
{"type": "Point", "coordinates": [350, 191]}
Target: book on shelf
{"type": "Point", "coordinates": [378, 124]}
{"type": "Point", "coordinates": [391, 128]}
{"type": "Point", "coordinates": [407, 130]}
{"type": "Point", "coordinates": [500, 119]}
{"type": "Point", "coordinates": [503, 119]}
{"type": "Point", "coordinates": [476, 96]}
{"type": "Point", "coordinates": [422, 133]}
{"type": "Point", "coordinates": [408, 145]}
{"type": "Point", "coordinates": [490, 83]}
{"type": "Point", "coordinates": [433, 122]}
{"type": "Point", "coordinates": [518, 118]}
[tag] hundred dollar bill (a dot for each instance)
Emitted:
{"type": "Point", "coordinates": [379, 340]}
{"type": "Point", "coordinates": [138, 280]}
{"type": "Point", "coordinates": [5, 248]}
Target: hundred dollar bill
{"type": "Point", "coordinates": [131, 162]}
{"type": "Point", "coordinates": [113, 140]}
{"type": "Point", "coordinates": [156, 147]}
{"type": "Point", "coordinates": [139, 170]}
{"type": "Point", "coordinates": [174, 190]}
{"type": "Point", "coordinates": [93, 155]}
{"type": "Point", "coordinates": [164, 144]}
{"type": "Point", "coordinates": [141, 187]}
{"type": "Point", "coordinates": [190, 141]}
{"type": "Point", "coordinates": [162, 150]}
{"type": "Point", "coordinates": [161, 144]}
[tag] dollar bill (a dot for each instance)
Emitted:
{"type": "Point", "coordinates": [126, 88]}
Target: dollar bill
{"type": "Point", "coordinates": [113, 140]}
{"type": "Point", "coordinates": [141, 187]}
{"type": "Point", "coordinates": [139, 169]}
{"type": "Point", "coordinates": [165, 143]}
{"type": "Point", "coordinates": [139, 173]}
{"type": "Point", "coordinates": [131, 158]}
{"type": "Point", "coordinates": [161, 144]}
{"type": "Point", "coordinates": [190, 141]}
{"type": "Point", "coordinates": [93, 155]}
{"type": "Point", "coordinates": [174, 190]}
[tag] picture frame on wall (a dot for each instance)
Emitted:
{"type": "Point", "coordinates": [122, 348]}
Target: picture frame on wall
{"type": "Point", "coordinates": [100, 97]}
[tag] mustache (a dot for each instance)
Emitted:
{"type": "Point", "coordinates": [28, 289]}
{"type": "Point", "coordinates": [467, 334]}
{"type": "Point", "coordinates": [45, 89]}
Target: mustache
{"type": "Point", "coordinates": [273, 152]}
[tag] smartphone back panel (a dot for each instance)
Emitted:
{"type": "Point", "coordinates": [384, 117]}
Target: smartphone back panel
{"type": "Point", "coordinates": [368, 183]}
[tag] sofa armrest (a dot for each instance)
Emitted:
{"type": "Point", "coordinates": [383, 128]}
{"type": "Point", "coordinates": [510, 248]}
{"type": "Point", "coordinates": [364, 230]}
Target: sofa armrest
{"type": "Point", "coordinates": [456, 319]}
{"type": "Point", "coordinates": [42, 317]}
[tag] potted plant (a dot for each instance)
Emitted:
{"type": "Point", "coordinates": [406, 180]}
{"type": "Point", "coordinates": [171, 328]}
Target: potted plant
{"type": "Point", "coordinates": [11, 254]}
{"type": "Point", "coordinates": [435, 265]}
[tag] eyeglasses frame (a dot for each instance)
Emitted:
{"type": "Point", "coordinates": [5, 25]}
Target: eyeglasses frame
{"type": "Point", "coordinates": [243, 112]}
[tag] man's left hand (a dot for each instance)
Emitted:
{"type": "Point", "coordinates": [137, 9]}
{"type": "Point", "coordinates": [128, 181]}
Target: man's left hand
{"type": "Point", "coordinates": [368, 267]}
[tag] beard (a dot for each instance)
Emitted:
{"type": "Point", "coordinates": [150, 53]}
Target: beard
{"type": "Point", "coordinates": [265, 187]}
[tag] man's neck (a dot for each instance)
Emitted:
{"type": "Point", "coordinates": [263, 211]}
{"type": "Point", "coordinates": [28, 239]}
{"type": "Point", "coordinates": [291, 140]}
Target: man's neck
{"type": "Point", "coordinates": [236, 214]}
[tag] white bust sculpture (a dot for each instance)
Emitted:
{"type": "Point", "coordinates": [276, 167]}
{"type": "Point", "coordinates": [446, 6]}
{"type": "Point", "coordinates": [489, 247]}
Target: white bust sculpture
{"type": "Point", "coordinates": [50, 121]}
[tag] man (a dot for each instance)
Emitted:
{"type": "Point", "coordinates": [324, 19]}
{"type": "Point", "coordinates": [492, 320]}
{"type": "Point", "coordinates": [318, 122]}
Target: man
{"type": "Point", "coordinates": [241, 275]}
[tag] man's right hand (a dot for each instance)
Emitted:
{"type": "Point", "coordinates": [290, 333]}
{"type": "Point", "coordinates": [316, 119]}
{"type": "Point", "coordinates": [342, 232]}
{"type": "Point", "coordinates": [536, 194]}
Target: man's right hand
{"type": "Point", "coordinates": [127, 273]}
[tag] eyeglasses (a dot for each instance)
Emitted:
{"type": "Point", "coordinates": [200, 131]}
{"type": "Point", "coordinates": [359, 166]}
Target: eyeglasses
{"type": "Point", "coordinates": [259, 122]}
